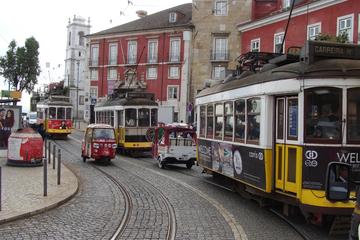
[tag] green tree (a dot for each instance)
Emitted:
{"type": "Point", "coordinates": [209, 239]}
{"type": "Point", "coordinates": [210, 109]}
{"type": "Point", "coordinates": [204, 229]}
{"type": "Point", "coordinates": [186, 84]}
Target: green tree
{"type": "Point", "coordinates": [341, 38]}
{"type": "Point", "coordinates": [20, 66]}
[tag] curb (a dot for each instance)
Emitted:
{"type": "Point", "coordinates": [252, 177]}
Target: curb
{"type": "Point", "coordinates": [45, 209]}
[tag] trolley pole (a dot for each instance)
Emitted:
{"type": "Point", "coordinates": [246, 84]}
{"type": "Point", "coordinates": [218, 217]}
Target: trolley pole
{"type": "Point", "coordinates": [59, 167]}
{"type": "Point", "coordinates": [45, 178]}
{"type": "Point", "coordinates": [54, 155]}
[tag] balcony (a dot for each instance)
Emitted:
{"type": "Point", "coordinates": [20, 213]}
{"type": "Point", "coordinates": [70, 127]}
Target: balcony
{"type": "Point", "coordinates": [93, 62]}
{"type": "Point", "coordinates": [220, 56]}
{"type": "Point", "coordinates": [174, 58]}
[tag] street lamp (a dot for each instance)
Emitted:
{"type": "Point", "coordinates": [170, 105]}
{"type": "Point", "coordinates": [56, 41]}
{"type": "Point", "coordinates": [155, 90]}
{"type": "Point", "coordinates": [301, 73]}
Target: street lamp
{"type": "Point", "coordinates": [77, 89]}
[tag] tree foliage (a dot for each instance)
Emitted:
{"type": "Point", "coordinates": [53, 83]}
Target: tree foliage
{"type": "Point", "coordinates": [20, 66]}
{"type": "Point", "coordinates": [341, 38]}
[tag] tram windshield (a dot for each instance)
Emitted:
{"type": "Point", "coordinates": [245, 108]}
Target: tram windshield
{"type": "Point", "coordinates": [154, 117]}
{"type": "Point", "coordinates": [144, 117]}
{"type": "Point", "coordinates": [130, 117]}
{"type": "Point", "coordinates": [52, 112]}
{"type": "Point", "coordinates": [323, 114]}
{"type": "Point", "coordinates": [60, 113]}
{"type": "Point", "coordinates": [68, 113]}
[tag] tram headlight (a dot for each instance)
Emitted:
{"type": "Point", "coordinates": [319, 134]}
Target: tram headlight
{"type": "Point", "coordinates": [114, 145]}
{"type": "Point", "coordinates": [96, 145]}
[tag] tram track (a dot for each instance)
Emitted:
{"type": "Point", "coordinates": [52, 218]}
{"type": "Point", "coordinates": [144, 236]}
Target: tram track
{"type": "Point", "coordinates": [171, 230]}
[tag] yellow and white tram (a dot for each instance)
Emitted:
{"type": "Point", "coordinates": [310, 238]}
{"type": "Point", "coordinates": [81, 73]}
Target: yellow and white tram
{"type": "Point", "coordinates": [132, 114]}
{"type": "Point", "coordinates": [276, 131]}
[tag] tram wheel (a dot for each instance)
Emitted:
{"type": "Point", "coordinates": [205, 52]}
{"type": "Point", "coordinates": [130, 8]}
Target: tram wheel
{"type": "Point", "coordinates": [189, 165]}
{"type": "Point", "coordinates": [160, 164]}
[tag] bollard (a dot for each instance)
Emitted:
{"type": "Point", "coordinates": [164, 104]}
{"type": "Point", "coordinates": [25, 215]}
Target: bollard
{"type": "Point", "coordinates": [49, 152]}
{"type": "Point", "coordinates": [59, 167]}
{"type": "Point", "coordinates": [0, 188]}
{"type": "Point", "coordinates": [54, 155]}
{"type": "Point", "coordinates": [45, 145]}
{"type": "Point", "coordinates": [45, 178]}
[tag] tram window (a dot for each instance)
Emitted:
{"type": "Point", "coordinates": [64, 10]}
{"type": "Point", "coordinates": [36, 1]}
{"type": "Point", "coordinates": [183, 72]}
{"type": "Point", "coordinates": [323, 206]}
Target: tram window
{"type": "Point", "coordinates": [228, 120]}
{"type": "Point", "coordinates": [219, 120]}
{"type": "Point", "coordinates": [154, 117]}
{"type": "Point", "coordinates": [322, 114]}
{"type": "Point", "coordinates": [46, 113]}
{"type": "Point", "coordinates": [240, 120]}
{"type": "Point", "coordinates": [112, 118]}
{"type": "Point", "coordinates": [130, 117]}
{"type": "Point", "coordinates": [253, 117]}
{"type": "Point", "coordinates": [144, 117]}
{"type": "Point", "coordinates": [292, 122]}
{"type": "Point", "coordinates": [210, 121]}
{"type": "Point", "coordinates": [68, 113]}
{"type": "Point", "coordinates": [121, 118]}
{"type": "Point", "coordinates": [52, 113]}
{"type": "Point", "coordinates": [60, 113]}
{"type": "Point", "coordinates": [202, 121]}
{"type": "Point", "coordinates": [353, 115]}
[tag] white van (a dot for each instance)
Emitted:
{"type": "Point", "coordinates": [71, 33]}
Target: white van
{"type": "Point", "coordinates": [32, 118]}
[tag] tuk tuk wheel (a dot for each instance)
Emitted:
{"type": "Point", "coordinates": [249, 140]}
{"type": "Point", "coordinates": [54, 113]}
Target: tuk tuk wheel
{"type": "Point", "coordinates": [189, 165]}
{"type": "Point", "coordinates": [161, 165]}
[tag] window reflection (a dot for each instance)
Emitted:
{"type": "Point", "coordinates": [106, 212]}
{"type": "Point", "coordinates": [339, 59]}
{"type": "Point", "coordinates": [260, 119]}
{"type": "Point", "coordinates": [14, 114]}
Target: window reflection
{"type": "Point", "coordinates": [253, 119]}
{"type": "Point", "coordinates": [210, 122]}
{"type": "Point", "coordinates": [240, 120]}
{"type": "Point", "coordinates": [353, 115]}
{"type": "Point", "coordinates": [219, 120]}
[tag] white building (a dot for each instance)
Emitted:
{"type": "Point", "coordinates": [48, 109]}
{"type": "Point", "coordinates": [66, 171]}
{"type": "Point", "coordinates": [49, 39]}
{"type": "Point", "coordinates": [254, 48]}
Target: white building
{"type": "Point", "coordinates": [76, 65]}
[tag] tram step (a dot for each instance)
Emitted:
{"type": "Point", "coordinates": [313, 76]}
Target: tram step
{"type": "Point", "coordinates": [340, 225]}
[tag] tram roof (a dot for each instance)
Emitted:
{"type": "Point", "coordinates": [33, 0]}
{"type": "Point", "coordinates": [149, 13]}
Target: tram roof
{"type": "Point", "coordinates": [127, 102]}
{"type": "Point", "coordinates": [99, 125]}
{"type": "Point", "coordinates": [54, 103]}
{"type": "Point", "coordinates": [329, 68]}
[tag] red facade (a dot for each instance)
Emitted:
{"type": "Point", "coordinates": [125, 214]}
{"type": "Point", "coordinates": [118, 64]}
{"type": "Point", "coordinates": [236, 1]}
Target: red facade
{"type": "Point", "coordinates": [160, 83]}
{"type": "Point", "coordinates": [268, 19]}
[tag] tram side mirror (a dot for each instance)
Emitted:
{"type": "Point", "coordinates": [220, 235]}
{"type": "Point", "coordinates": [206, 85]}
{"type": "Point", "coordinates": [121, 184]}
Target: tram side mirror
{"type": "Point", "coordinates": [338, 181]}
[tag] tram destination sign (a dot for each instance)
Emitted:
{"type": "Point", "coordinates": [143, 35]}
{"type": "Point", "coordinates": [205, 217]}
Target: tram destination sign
{"type": "Point", "coordinates": [316, 50]}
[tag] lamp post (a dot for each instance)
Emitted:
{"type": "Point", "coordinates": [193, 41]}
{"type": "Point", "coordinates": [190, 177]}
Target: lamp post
{"type": "Point", "coordinates": [77, 89]}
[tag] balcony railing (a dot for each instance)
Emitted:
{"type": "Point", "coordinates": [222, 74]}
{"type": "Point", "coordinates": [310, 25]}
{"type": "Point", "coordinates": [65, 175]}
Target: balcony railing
{"type": "Point", "coordinates": [152, 60]}
{"type": "Point", "coordinates": [174, 58]}
{"type": "Point", "coordinates": [93, 62]}
{"type": "Point", "coordinates": [219, 55]}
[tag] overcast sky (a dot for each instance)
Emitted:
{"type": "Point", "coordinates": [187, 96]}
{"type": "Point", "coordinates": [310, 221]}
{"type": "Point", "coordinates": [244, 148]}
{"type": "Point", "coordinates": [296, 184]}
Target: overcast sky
{"type": "Point", "coordinates": [46, 20]}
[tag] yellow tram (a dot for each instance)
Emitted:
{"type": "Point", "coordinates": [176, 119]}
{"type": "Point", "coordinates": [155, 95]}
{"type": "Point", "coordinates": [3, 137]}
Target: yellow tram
{"type": "Point", "coordinates": [275, 131]}
{"type": "Point", "coordinates": [132, 114]}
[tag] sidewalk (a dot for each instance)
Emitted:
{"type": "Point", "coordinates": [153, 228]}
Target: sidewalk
{"type": "Point", "coordinates": [22, 190]}
{"type": "Point", "coordinates": [80, 125]}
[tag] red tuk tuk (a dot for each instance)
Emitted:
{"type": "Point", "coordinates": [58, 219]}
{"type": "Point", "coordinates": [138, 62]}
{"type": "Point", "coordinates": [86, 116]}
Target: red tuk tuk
{"type": "Point", "coordinates": [174, 144]}
{"type": "Point", "coordinates": [99, 142]}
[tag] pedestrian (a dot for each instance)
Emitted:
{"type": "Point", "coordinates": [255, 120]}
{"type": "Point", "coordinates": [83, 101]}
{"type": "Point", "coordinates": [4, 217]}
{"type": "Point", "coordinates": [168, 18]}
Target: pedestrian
{"type": "Point", "coordinates": [8, 124]}
{"type": "Point", "coordinates": [2, 127]}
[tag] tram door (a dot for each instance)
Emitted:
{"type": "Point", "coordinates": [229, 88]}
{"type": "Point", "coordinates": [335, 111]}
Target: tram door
{"type": "Point", "coordinates": [288, 152]}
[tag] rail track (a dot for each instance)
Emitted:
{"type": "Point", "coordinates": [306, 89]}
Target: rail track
{"type": "Point", "coordinates": [129, 208]}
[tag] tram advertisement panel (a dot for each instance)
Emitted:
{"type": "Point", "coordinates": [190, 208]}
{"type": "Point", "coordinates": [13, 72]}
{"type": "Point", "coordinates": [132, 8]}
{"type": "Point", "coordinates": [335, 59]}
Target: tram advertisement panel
{"type": "Point", "coordinates": [239, 162]}
{"type": "Point", "coordinates": [249, 165]}
{"type": "Point", "coordinates": [205, 153]}
{"type": "Point", "coordinates": [316, 160]}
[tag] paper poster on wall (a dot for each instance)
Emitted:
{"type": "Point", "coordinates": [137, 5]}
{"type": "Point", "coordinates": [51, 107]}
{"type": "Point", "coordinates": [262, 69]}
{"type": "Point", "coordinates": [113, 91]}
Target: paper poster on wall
{"type": "Point", "coordinates": [10, 121]}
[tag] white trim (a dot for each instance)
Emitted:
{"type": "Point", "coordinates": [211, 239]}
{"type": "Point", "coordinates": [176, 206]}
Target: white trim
{"type": "Point", "coordinates": [351, 35]}
{"type": "Point", "coordinates": [255, 40]}
{"type": "Point", "coordinates": [311, 26]}
{"type": "Point", "coordinates": [312, 7]}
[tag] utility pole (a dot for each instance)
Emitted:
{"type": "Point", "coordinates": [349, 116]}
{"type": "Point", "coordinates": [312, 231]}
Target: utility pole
{"type": "Point", "coordinates": [77, 89]}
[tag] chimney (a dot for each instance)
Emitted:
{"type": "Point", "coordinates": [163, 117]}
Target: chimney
{"type": "Point", "coordinates": [141, 13]}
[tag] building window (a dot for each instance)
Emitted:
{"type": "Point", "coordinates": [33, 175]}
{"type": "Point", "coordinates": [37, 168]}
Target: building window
{"type": "Point", "coordinates": [69, 38]}
{"type": "Point", "coordinates": [94, 55]}
{"type": "Point", "coordinates": [286, 3]}
{"type": "Point", "coordinates": [345, 24]}
{"type": "Point", "coordinates": [93, 74]}
{"type": "Point", "coordinates": [219, 72]}
{"type": "Point", "coordinates": [221, 8]}
{"type": "Point", "coordinates": [93, 92]}
{"type": "Point", "coordinates": [113, 54]}
{"type": "Point", "coordinates": [174, 50]}
{"type": "Point", "coordinates": [278, 38]}
{"type": "Point", "coordinates": [132, 52]}
{"type": "Point", "coordinates": [172, 17]}
{"type": "Point", "coordinates": [112, 74]}
{"type": "Point", "coordinates": [255, 45]}
{"type": "Point", "coordinates": [220, 49]}
{"type": "Point", "coordinates": [313, 31]}
{"type": "Point", "coordinates": [81, 38]}
{"type": "Point", "coordinates": [152, 51]}
{"type": "Point", "coordinates": [172, 92]}
{"type": "Point", "coordinates": [174, 72]}
{"type": "Point", "coordinates": [81, 100]}
{"type": "Point", "coordinates": [151, 73]}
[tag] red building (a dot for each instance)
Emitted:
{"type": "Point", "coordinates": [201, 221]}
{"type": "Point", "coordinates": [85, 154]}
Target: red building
{"type": "Point", "coordinates": [152, 53]}
{"type": "Point", "coordinates": [266, 29]}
